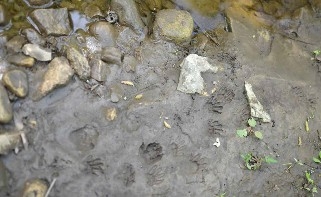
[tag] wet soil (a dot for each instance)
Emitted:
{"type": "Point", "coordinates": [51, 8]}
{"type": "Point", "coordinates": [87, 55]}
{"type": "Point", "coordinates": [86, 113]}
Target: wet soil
{"type": "Point", "coordinates": [72, 141]}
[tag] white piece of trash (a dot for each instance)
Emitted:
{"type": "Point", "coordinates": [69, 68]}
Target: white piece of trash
{"type": "Point", "coordinates": [217, 143]}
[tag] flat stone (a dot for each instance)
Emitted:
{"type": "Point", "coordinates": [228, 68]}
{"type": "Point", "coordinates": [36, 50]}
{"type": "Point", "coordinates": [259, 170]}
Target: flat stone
{"type": "Point", "coordinates": [104, 32]}
{"type": "Point", "coordinates": [52, 21]}
{"type": "Point", "coordinates": [33, 36]}
{"type": "Point", "coordinates": [128, 14]}
{"type": "Point", "coordinates": [15, 44]}
{"type": "Point", "coordinates": [173, 25]}
{"type": "Point", "coordinates": [114, 97]}
{"type": "Point", "coordinates": [99, 69]}
{"type": "Point", "coordinates": [20, 59]}
{"type": "Point", "coordinates": [58, 74]}
{"type": "Point", "coordinates": [17, 82]}
{"type": "Point", "coordinates": [257, 110]}
{"type": "Point", "coordinates": [37, 52]}
{"type": "Point", "coordinates": [6, 113]}
{"type": "Point", "coordinates": [190, 79]}
{"type": "Point", "coordinates": [111, 55]}
{"type": "Point", "coordinates": [79, 63]}
{"type": "Point", "coordinates": [4, 16]}
{"type": "Point", "coordinates": [38, 2]}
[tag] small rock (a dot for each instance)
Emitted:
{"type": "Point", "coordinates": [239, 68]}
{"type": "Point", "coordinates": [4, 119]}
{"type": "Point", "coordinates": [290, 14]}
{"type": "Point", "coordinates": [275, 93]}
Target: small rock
{"type": "Point", "coordinates": [79, 63]}
{"type": "Point", "coordinates": [111, 114]}
{"type": "Point", "coordinates": [52, 21]}
{"type": "Point", "coordinates": [173, 25]}
{"type": "Point", "coordinates": [255, 105]}
{"type": "Point", "coordinates": [33, 36]}
{"type": "Point", "coordinates": [114, 97]}
{"type": "Point", "coordinates": [4, 16]}
{"type": "Point", "coordinates": [58, 74]}
{"type": "Point", "coordinates": [92, 11]}
{"type": "Point", "coordinates": [190, 79]}
{"type": "Point", "coordinates": [15, 44]}
{"type": "Point", "coordinates": [104, 33]}
{"type": "Point", "coordinates": [38, 2]}
{"type": "Point", "coordinates": [111, 55]}
{"type": "Point", "coordinates": [9, 141]}
{"type": "Point", "coordinates": [35, 188]}
{"type": "Point", "coordinates": [20, 59]}
{"type": "Point", "coordinates": [130, 63]}
{"type": "Point", "coordinates": [6, 112]}
{"type": "Point", "coordinates": [17, 82]}
{"type": "Point", "coordinates": [128, 14]}
{"type": "Point", "coordinates": [37, 52]}
{"type": "Point", "coordinates": [99, 69]}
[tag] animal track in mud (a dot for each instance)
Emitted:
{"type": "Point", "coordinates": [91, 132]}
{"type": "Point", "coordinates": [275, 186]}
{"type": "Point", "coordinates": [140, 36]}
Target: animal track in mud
{"type": "Point", "coordinates": [151, 153]}
{"type": "Point", "coordinates": [85, 138]}
{"type": "Point", "coordinates": [178, 145]}
{"type": "Point", "coordinates": [215, 128]}
{"type": "Point", "coordinates": [200, 161]}
{"type": "Point", "coordinates": [94, 165]}
{"type": "Point", "coordinates": [126, 174]}
{"type": "Point", "coordinates": [155, 175]}
{"type": "Point", "coordinates": [217, 101]}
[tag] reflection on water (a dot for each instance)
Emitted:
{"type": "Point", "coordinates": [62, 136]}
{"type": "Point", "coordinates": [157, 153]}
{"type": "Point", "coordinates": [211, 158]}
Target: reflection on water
{"type": "Point", "coordinates": [79, 21]}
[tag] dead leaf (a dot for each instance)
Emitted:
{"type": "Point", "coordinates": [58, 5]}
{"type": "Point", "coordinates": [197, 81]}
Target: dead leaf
{"type": "Point", "coordinates": [139, 96]}
{"type": "Point", "coordinates": [299, 141]}
{"type": "Point", "coordinates": [111, 114]}
{"type": "Point", "coordinates": [168, 126]}
{"type": "Point", "coordinates": [127, 83]}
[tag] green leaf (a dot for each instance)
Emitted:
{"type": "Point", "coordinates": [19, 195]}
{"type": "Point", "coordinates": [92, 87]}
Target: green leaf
{"type": "Point", "coordinates": [314, 189]}
{"type": "Point", "coordinates": [269, 159]}
{"type": "Point", "coordinates": [317, 52]}
{"type": "Point", "coordinates": [308, 176]}
{"type": "Point", "coordinates": [320, 154]}
{"type": "Point", "coordinates": [258, 134]}
{"type": "Point", "coordinates": [247, 157]}
{"type": "Point", "coordinates": [251, 122]}
{"type": "Point", "coordinates": [241, 133]}
{"type": "Point", "coordinates": [316, 160]}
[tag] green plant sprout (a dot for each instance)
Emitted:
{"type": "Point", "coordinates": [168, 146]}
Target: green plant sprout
{"type": "Point", "coordinates": [253, 162]}
{"type": "Point", "coordinates": [310, 185]}
{"type": "Point", "coordinates": [250, 130]}
{"type": "Point", "coordinates": [317, 159]}
{"type": "Point", "coordinates": [316, 52]}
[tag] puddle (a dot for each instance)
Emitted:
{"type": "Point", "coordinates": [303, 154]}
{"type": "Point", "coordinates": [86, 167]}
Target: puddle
{"type": "Point", "coordinates": [78, 20]}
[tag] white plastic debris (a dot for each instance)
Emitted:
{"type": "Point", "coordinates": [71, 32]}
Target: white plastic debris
{"type": "Point", "coordinates": [217, 143]}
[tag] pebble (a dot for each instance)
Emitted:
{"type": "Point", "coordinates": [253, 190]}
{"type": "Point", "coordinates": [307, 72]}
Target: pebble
{"type": "Point", "coordinates": [17, 82]}
{"type": "Point", "coordinates": [35, 188]}
{"type": "Point", "coordinates": [99, 69]}
{"type": "Point", "coordinates": [111, 55]}
{"type": "Point", "coordinates": [104, 32]}
{"type": "Point", "coordinates": [79, 63]}
{"type": "Point", "coordinates": [58, 74]}
{"type": "Point", "coordinates": [37, 52]}
{"type": "Point", "coordinates": [114, 97]}
{"type": "Point", "coordinates": [173, 25]}
{"type": "Point", "coordinates": [6, 113]}
{"type": "Point", "coordinates": [52, 21]}
{"type": "Point", "coordinates": [20, 59]}
{"type": "Point", "coordinates": [15, 44]}
{"type": "Point", "coordinates": [33, 36]}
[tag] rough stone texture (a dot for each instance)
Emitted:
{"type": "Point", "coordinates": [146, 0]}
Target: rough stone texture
{"type": "Point", "coordinates": [58, 74]}
{"type": "Point", "coordinates": [79, 63]}
{"type": "Point", "coordinates": [38, 2]}
{"type": "Point", "coordinates": [17, 82]}
{"type": "Point", "coordinates": [52, 21]}
{"type": "Point", "coordinates": [111, 55]}
{"type": "Point", "coordinates": [175, 25]}
{"type": "Point", "coordinates": [99, 69]}
{"type": "Point", "coordinates": [190, 79]}
{"type": "Point", "coordinates": [128, 14]}
{"type": "Point", "coordinates": [104, 32]}
{"type": "Point", "coordinates": [6, 112]}
{"type": "Point", "coordinates": [21, 60]}
{"type": "Point", "coordinates": [37, 52]}
{"type": "Point", "coordinates": [15, 44]}
{"type": "Point", "coordinates": [33, 36]}
{"type": "Point", "coordinates": [130, 63]}
{"type": "Point", "coordinates": [257, 110]}
{"type": "Point", "coordinates": [4, 17]}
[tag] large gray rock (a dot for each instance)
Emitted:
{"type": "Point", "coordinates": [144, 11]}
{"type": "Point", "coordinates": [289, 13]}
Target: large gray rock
{"type": "Point", "coordinates": [58, 74]}
{"type": "Point", "coordinates": [128, 14]}
{"type": "Point", "coordinates": [37, 52]}
{"type": "Point", "coordinates": [6, 112]}
{"type": "Point", "coordinates": [52, 21]}
{"type": "Point", "coordinates": [33, 36]}
{"type": "Point", "coordinates": [79, 63]}
{"type": "Point", "coordinates": [20, 59]}
{"type": "Point", "coordinates": [4, 16]}
{"type": "Point", "coordinates": [17, 82]}
{"type": "Point", "coordinates": [104, 32]}
{"type": "Point", "coordinates": [190, 79]}
{"type": "Point", "coordinates": [173, 25]}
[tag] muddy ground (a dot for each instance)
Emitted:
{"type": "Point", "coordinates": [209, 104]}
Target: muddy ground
{"type": "Point", "coordinates": [72, 140]}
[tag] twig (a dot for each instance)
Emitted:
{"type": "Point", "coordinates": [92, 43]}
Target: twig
{"type": "Point", "coordinates": [50, 187]}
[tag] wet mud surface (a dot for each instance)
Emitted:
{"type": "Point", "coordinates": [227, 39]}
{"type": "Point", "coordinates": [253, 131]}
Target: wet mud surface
{"type": "Point", "coordinates": [74, 139]}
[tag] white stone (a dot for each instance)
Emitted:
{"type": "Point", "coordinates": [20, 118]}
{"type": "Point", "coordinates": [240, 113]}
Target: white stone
{"type": "Point", "coordinates": [37, 52]}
